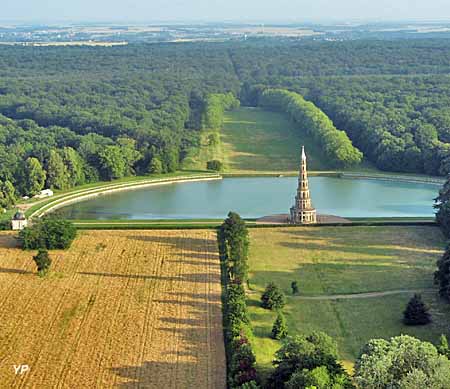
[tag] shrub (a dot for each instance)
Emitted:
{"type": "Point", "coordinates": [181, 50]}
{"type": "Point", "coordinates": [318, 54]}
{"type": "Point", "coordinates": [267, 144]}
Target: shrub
{"type": "Point", "coordinates": [49, 233]}
{"type": "Point", "coordinates": [416, 312]}
{"type": "Point", "coordinates": [273, 297]}
{"type": "Point", "coordinates": [309, 352]}
{"type": "Point", "coordinates": [279, 329]}
{"type": "Point", "coordinates": [215, 165]}
{"type": "Point", "coordinates": [294, 287]}
{"type": "Point", "coordinates": [42, 261]}
{"type": "Point", "coordinates": [242, 365]}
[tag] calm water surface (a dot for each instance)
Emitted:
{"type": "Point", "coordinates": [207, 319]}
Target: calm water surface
{"type": "Point", "coordinates": [255, 197]}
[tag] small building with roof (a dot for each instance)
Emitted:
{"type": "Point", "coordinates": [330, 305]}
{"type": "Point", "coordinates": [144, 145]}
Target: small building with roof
{"type": "Point", "coordinates": [19, 221]}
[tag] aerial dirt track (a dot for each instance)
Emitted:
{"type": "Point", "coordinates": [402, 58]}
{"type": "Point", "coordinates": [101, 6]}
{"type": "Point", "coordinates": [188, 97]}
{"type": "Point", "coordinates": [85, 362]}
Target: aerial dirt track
{"type": "Point", "coordinates": [123, 309]}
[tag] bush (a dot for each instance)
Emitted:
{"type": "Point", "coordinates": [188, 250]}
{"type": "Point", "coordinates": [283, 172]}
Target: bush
{"type": "Point", "coordinates": [42, 261]}
{"type": "Point", "coordinates": [215, 165]}
{"type": "Point", "coordinates": [242, 366]}
{"type": "Point", "coordinates": [49, 233]}
{"type": "Point", "coordinates": [279, 329]}
{"type": "Point", "coordinates": [416, 312]}
{"type": "Point", "coordinates": [294, 287]}
{"type": "Point", "coordinates": [273, 297]}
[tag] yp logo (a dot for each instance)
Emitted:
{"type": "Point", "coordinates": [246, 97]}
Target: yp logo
{"type": "Point", "coordinates": [21, 369]}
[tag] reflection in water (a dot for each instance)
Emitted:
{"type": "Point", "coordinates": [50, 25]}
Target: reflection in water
{"type": "Point", "coordinates": [259, 196]}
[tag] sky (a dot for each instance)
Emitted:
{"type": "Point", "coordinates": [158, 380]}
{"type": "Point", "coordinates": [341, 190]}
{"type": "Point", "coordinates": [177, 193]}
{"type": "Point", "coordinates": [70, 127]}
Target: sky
{"type": "Point", "coordinates": [223, 10]}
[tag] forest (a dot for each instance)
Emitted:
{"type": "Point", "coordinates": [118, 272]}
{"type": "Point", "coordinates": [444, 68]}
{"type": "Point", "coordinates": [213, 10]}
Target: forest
{"type": "Point", "coordinates": [72, 115]}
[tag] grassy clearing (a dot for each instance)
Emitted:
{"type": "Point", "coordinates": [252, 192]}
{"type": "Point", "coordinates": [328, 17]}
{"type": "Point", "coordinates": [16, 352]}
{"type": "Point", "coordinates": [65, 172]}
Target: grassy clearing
{"type": "Point", "coordinates": [351, 260]}
{"type": "Point", "coordinates": [119, 309]}
{"type": "Point", "coordinates": [255, 141]}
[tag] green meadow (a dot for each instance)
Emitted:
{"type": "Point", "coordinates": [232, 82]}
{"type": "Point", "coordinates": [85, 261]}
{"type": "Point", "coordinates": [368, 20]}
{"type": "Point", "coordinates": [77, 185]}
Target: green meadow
{"type": "Point", "coordinates": [332, 265]}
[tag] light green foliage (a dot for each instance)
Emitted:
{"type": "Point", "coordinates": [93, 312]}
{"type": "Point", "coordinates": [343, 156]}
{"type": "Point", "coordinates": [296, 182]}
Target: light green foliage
{"type": "Point", "coordinates": [57, 174]}
{"type": "Point", "coordinates": [155, 166]}
{"type": "Point", "coordinates": [336, 144]}
{"type": "Point", "coordinates": [7, 194]}
{"type": "Point", "coordinates": [215, 107]}
{"type": "Point", "coordinates": [75, 167]}
{"type": "Point", "coordinates": [34, 176]}
{"type": "Point", "coordinates": [400, 362]}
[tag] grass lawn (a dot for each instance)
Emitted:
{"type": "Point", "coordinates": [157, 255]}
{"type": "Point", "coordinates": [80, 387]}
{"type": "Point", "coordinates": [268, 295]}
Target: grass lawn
{"type": "Point", "coordinates": [255, 141]}
{"type": "Point", "coordinates": [334, 260]}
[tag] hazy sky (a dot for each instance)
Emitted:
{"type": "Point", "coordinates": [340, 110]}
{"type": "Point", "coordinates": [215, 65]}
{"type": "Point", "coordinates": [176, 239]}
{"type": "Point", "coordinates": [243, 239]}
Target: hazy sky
{"type": "Point", "coordinates": [227, 10]}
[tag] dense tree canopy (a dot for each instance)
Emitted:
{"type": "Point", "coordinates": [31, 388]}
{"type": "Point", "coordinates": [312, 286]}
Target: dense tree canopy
{"type": "Point", "coordinates": [403, 362]}
{"type": "Point", "coordinates": [71, 115]}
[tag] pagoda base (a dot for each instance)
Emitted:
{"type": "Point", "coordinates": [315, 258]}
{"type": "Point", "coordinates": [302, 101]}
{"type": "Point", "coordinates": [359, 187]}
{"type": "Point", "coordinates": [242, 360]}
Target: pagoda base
{"type": "Point", "coordinates": [284, 218]}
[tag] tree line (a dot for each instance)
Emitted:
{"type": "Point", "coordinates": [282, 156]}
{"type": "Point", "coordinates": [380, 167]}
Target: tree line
{"type": "Point", "coordinates": [335, 144]}
{"type": "Point", "coordinates": [233, 243]}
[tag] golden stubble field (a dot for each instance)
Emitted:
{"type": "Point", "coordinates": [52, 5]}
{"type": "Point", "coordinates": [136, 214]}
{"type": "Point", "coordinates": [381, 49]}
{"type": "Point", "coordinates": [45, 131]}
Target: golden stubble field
{"type": "Point", "coordinates": [122, 309]}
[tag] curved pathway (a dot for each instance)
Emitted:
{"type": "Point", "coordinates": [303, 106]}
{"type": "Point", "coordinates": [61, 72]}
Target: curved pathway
{"type": "Point", "coordinates": [365, 295]}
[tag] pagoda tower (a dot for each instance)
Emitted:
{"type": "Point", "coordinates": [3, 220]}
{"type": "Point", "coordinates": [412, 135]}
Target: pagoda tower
{"type": "Point", "coordinates": [302, 212]}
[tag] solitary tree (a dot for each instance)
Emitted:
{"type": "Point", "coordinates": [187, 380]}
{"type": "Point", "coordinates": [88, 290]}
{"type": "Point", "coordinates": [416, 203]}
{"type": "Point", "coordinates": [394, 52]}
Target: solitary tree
{"type": "Point", "coordinates": [273, 297]}
{"type": "Point", "coordinates": [443, 347]}
{"type": "Point", "coordinates": [416, 312]}
{"type": "Point", "coordinates": [279, 329]}
{"type": "Point", "coordinates": [294, 287]}
{"type": "Point", "coordinates": [43, 261]}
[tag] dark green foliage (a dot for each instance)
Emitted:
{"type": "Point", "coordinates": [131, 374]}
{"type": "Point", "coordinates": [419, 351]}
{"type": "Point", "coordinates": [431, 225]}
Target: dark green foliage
{"type": "Point", "coordinates": [50, 233]}
{"type": "Point", "coordinates": [442, 275]}
{"type": "Point", "coordinates": [443, 208]}
{"type": "Point", "coordinates": [279, 329]}
{"type": "Point", "coordinates": [273, 297]}
{"type": "Point", "coordinates": [242, 366]}
{"type": "Point", "coordinates": [214, 165]}
{"type": "Point", "coordinates": [416, 312]}
{"type": "Point", "coordinates": [235, 247]}
{"type": "Point", "coordinates": [443, 347]}
{"type": "Point", "coordinates": [301, 355]}
{"type": "Point", "coordinates": [294, 287]}
{"type": "Point", "coordinates": [402, 362]}
{"type": "Point", "coordinates": [336, 144]}
{"type": "Point", "coordinates": [232, 239]}
{"type": "Point", "coordinates": [43, 261]}
{"type": "Point", "coordinates": [33, 177]}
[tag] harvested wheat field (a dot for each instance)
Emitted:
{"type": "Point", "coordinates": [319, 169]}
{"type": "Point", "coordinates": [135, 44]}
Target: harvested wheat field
{"type": "Point", "coordinates": [122, 309]}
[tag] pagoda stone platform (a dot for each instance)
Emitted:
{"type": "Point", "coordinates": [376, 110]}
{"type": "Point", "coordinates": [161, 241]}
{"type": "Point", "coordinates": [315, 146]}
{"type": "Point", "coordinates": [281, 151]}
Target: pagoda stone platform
{"type": "Point", "coordinates": [283, 218]}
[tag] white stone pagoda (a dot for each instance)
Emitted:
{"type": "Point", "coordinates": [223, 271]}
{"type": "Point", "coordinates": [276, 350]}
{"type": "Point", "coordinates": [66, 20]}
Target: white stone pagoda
{"type": "Point", "coordinates": [303, 212]}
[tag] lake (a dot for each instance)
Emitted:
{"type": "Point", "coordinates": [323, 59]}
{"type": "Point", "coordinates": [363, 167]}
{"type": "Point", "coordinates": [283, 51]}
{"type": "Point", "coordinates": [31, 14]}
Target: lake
{"type": "Point", "coordinates": [253, 197]}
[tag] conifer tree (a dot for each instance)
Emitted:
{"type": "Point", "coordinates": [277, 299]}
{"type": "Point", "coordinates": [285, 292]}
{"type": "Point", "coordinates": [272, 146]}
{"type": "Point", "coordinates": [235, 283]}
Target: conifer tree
{"type": "Point", "coordinates": [443, 347]}
{"type": "Point", "coordinates": [273, 297]}
{"type": "Point", "coordinates": [279, 329]}
{"type": "Point", "coordinates": [416, 312]}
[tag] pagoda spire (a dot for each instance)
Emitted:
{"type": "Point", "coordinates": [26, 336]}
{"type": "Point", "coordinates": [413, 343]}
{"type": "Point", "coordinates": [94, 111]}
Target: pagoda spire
{"type": "Point", "coordinates": [303, 212]}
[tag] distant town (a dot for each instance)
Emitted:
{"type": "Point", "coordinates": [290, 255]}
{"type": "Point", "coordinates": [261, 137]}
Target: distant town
{"type": "Point", "coordinates": [111, 34]}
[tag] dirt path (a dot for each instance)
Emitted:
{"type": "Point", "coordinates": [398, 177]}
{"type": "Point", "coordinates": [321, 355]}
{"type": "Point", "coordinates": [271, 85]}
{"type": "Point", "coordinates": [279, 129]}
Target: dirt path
{"type": "Point", "coordinates": [365, 295]}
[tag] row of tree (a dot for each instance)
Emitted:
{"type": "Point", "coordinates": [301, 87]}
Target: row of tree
{"type": "Point", "coordinates": [233, 244]}
{"type": "Point", "coordinates": [335, 144]}
{"type": "Point", "coordinates": [215, 107]}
